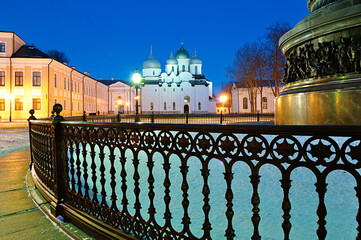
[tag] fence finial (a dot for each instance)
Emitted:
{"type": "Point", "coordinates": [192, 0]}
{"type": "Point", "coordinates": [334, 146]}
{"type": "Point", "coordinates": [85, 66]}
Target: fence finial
{"type": "Point", "coordinates": [32, 117]}
{"type": "Point", "coordinates": [57, 108]}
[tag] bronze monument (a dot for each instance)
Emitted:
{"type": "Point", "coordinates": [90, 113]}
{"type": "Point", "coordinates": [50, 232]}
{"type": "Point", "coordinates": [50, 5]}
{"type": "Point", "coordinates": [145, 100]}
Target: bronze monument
{"type": "Point", "coordinates": [323, 70]}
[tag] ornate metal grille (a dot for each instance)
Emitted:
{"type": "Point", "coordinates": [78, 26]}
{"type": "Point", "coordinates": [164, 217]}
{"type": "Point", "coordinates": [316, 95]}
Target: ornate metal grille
{"type": "Point", "coordinates": [112, 171]}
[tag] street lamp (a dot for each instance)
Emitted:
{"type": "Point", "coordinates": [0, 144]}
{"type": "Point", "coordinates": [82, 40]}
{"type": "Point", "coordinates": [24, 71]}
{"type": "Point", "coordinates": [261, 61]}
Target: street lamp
{"type": "Point", "coordinates": [10, 97]}
{"type": "Point", "coordinates": [223, 99]}
{"type": "Point", "coordinates": [136, 81]}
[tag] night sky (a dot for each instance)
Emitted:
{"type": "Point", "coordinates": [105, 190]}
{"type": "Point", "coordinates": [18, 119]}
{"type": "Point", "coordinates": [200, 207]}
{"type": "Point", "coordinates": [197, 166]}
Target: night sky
{"type": "Point", "coordinates": [112, 38]}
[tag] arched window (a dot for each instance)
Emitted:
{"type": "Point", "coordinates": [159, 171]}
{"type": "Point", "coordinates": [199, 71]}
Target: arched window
{"type": "Point", "coordinates": [187, 99]}
{"type": "Point", "coordinates": [165, 106]}
{"type": "Point", "coordinates": [173, 106]}
{"type": "Point", "coordinates": [245, 103]}
{"type": "Point", "coordinates": [151, 106]}
{"type": "Point", "coordinates": [183, 68]}
{"type": "Point", "coordinates": [199, 106]}
{"type": "Point", "coordinates": [264, 103]}
{"type": "Point", "coordinates": [196, 70]}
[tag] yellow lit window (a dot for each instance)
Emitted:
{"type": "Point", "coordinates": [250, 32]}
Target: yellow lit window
{"type": "Point", "coordinates": [36, 79]}
{"type": "Point", "coordinates": [2, 104]}
{"type": "Point", "coordinates": [36, 103]}
{"type": "Point", "coordinates": [19, 106]}
{"type": "Point", "coordinates": [2, 78]}
{"type": "Point", "coordinates": [19, 79]}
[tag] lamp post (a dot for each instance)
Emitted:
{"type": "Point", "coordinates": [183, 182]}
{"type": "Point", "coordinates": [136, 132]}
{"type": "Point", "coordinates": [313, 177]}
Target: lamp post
{"type": "Point", "coordinates": [10, 97]}
{"type": "Point", "coordinates": [136, 80]}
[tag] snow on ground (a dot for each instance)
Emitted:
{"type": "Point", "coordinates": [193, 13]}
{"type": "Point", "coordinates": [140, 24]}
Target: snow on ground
{"type": "Point", "coordinates": [13, 140]}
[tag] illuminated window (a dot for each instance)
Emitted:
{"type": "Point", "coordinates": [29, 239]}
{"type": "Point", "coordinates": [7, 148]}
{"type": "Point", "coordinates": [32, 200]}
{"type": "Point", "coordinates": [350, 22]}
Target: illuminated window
{"type": "Point", "coordinates": [187, 99]}
{"type": "Point", "coordinates": [173, 105]}
{"type": "Point", "coordinates": [196, 70]}
{"type": "Point", "coordinates": [2, 104]}
{"type": "Point", "coordinates": [264, 103]}
{"type": "Point", "coordinates": [199, 106]}
{"type": "Point", "coordinates": [165, 106]}
{"type": "Point", "coordinates": [37, 103]}
{"type": "Point", "coordinates": [36, 79]}
{"type": "Point", "coordinates": [151, 106]}
{"type": "Point", "coordinates": [19, 106]}
{"type": "Point", "coordinates": [19, 79]}
{"type": "Point", "coordinates": [245, 103]}
{"type": "Point", "coordinates": [55, 81]}
{"type": "Point", "coordinates": [2, 78]}
{"type": "Point", "coordinates": [2, 47]}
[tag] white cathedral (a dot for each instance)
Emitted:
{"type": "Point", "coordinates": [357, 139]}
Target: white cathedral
{"type": "Point", "coordinates": [181, 88]}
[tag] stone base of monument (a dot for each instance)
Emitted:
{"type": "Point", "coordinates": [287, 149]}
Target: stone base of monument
{"type": "Point", "coordinates": [326, 101]}
{"type": "Point", "coordinates": [323, 70]}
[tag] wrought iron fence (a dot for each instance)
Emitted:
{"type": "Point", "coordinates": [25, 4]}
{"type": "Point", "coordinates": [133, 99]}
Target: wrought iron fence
{"type": "Point", "coordinates": [109, 172]}
{"type": "Point", "coordinates": [179, 118]}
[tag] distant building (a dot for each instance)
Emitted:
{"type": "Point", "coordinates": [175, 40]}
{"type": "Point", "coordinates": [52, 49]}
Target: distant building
{"type": "Point", "coordinates": [265, 100]}
{"type": "Point", "coordinates": [121, 96]}
{"type": "Point", "coordinates": [30, 79]}
{"type": "Point", "coordinates": [181, 88]}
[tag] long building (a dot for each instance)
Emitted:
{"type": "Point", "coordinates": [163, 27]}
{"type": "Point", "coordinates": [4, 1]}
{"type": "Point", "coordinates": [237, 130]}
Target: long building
{"type": "Point", "coordinates": [30, 79]}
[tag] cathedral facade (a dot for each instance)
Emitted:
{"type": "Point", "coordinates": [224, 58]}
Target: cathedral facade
{"type": "Point", "coordinates": [181, 88]}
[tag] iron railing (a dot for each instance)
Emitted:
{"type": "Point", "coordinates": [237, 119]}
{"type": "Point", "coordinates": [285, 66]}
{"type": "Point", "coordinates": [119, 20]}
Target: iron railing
{"type": "Point", "coordinates": [179, 118]}
{"type": "Point", "coordinates": [138, 180]}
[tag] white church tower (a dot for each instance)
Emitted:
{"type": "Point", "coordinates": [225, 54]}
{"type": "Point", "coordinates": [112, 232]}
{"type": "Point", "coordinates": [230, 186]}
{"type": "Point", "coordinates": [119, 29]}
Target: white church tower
{"type": "Point", "coordinates": [180, 88]}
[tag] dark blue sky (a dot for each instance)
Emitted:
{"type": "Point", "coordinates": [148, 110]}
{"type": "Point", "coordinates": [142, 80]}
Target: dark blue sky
{"type": "Point", "coordinates": [112, 38]}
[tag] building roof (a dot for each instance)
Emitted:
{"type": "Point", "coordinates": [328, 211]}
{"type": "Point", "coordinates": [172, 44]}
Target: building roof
{"type": "Point", "coordinates": [182, 53]}
{"type": "Point", "coordinates": [195, 60]}
{"type": "Point", "coordinates": [199, 76]}
{"type": "Point", "coordinates": [199, 82]}
{"type": "Point", "coordinates": [151, 62]}
{"type": "Point", "coordinates": [29, 52]}
{"type": "Point", "coordinates": [110, 82]}
{"type": "Point", "coordinates": [171, 60]}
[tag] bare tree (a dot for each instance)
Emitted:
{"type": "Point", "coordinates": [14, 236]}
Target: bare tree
{"type": "Point", "coordinates": [246, 71]}
{"type": "Point", "coordinates": [58, 56]}
{"type": "Point", "coordinates": [273, 61]}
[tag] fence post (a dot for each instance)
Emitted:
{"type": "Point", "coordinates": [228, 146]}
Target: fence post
{"type": "Point", "coordinates": [152, 117]}
{"type": "Point", "coordinates": [59, 160]}
{"type": "Point", "coordinates": [257, 116]}
{"type": "Point", "coordinates": [32, 117]}
{"type": "Point", "coordinates": [84, 116]}
{"type": "Point", "coordinates": [187, 116]}
{"type": "Point", "coordinates": [221, 116]}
